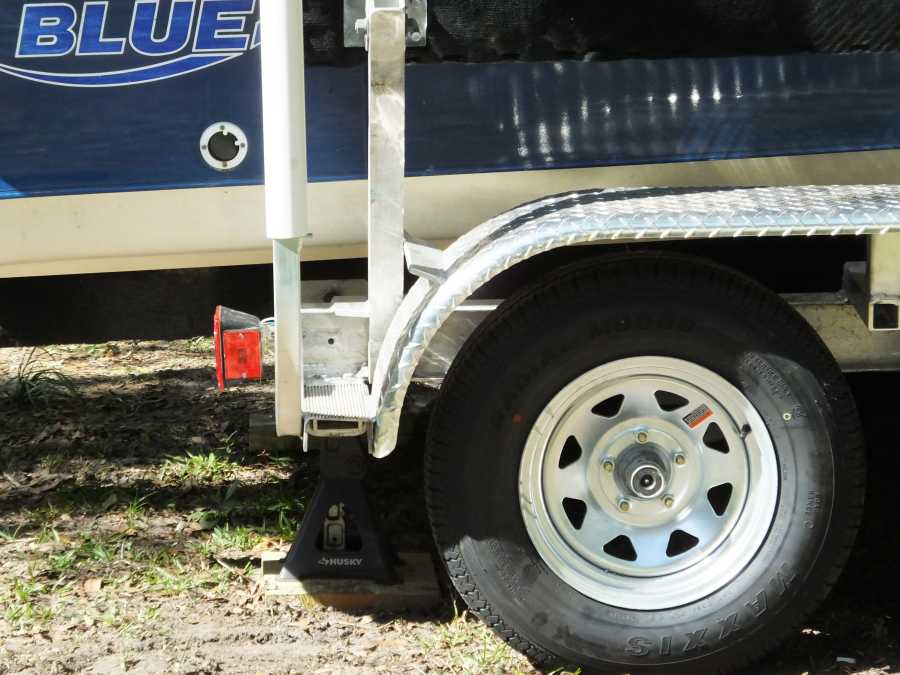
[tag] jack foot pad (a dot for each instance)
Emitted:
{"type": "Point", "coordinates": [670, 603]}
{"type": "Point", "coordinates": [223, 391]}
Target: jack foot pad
{"type": "Point", "coordinates": [419, 589]}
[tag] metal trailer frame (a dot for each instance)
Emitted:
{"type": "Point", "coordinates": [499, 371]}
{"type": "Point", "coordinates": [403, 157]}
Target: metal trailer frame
{"type": "Point", "coordinates": [387, 341]}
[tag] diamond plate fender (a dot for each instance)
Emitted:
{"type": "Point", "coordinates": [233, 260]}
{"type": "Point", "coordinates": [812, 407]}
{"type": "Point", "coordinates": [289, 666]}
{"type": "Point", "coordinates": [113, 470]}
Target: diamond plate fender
{"type": "Point", "coordinates": [601, 216]}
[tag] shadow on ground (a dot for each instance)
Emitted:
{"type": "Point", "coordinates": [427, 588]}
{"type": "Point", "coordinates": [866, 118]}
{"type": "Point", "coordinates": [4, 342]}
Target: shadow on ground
{"type": "Point", "coordinates": [84, 462]}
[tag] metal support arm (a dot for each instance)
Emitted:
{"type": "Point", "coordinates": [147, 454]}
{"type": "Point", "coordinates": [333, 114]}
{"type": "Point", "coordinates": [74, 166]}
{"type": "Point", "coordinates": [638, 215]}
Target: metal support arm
{"type": "Point", "coordinates": [387, 162]}
{"type": "Point", "coordinates": [284, 121]}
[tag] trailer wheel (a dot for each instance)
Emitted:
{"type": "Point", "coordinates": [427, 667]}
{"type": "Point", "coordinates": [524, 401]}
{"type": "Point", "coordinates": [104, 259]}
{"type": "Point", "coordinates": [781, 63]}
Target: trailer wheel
{"type": "Point", "coordinates": [641, 461]}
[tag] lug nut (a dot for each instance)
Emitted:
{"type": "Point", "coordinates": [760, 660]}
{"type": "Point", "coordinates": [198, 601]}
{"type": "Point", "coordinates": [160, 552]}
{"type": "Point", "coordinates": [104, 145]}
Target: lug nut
{"type": "Point", "coordinates": [608, 465]}
{"type": "Point", "coordinates": [669, 501]}
{"type": "Point", "coordinates": [624, 505]}
{"type": "Point", "coordinates": [642, 437]}
{"type": "Point", "coordinates": [680, 459]}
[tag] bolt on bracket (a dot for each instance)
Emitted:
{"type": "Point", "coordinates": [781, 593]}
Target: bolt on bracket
{"type": "Point", "coordinates": [356, 23]}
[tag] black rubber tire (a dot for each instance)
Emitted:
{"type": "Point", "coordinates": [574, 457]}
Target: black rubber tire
{"type": "Point", "coordinates": [595, 312]}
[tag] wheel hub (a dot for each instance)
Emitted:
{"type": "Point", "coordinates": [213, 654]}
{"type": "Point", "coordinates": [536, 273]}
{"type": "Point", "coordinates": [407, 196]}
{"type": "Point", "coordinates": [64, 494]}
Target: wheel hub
{"type": "Point", "coordinates": [643, 473]}
{"type": "Point", "coordinates": [632, 500]}
{"type": "Point", "coordinates": [638, 470]}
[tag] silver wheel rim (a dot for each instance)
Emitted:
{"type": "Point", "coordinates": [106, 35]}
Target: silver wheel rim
{"type": "Point", "coordinates": [648, 483]}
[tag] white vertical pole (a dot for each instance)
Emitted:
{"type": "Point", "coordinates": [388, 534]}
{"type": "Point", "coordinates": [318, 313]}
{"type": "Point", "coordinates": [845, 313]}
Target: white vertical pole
{"type": "Point", "coordinates": [284, 130]}
{"type": "Point", "coordinates": [386, 36]}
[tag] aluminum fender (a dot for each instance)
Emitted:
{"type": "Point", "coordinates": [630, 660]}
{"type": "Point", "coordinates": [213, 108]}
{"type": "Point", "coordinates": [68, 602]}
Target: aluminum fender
{"type": "Point", "coordinates": [603, 216]}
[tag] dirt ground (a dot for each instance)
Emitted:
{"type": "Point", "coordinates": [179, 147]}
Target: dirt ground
{"type": "Point", "coordinates": [133, 516]}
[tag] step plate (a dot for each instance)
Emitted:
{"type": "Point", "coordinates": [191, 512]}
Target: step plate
{"type": "Point", "coordinates": [336, 400]}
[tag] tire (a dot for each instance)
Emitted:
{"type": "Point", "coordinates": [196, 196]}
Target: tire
{"type": "Point", "coordinates": [796, 468]}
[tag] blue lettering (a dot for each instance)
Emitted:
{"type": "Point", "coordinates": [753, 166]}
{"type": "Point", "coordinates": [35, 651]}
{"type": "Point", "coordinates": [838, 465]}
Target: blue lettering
{"type": "Point", "coordinates": [144, 27]}
{"type": "Point", "coordinates": [221, 25]}
{"type": "Point", "coordinates": [46, 30]}
{"type": "Point", "coordinates": [90, 40]}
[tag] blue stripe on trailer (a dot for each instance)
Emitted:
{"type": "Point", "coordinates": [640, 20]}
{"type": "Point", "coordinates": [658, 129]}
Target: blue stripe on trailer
{"type": "Point", "coordinates": [461, 118]}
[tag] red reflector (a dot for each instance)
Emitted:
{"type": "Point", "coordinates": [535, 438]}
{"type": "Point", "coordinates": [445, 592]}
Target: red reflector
{"type": "Point", "coordinates": [238, 338]}
{"type": "Point", "coordinates": [242, 355]}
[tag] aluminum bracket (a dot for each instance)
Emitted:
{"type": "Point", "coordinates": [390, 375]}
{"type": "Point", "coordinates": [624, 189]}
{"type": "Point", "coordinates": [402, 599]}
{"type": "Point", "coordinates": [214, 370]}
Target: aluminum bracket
{"type": "Point", "coordinates": [387, 164]}
{"type": "Point", "coordinates": [883, 307]}
{"type": "Point", "coordinates": [425, 261]}
{"type": "Point", "coordinates": [356, 23]}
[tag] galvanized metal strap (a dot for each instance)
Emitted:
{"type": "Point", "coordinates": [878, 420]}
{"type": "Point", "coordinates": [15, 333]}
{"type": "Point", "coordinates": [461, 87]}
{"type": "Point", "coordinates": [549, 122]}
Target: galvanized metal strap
{"type": "Point", "coordinates": [387, 162]}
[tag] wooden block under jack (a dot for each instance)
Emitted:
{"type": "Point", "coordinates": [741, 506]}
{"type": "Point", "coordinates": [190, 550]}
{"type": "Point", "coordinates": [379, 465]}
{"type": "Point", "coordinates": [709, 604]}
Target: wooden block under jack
{"type": "Point", "coordinates": [264, 437]}
{"type": "Point", "coordinates": [418, 590]}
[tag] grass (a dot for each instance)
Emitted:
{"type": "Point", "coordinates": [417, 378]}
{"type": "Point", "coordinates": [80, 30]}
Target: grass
{"type": "Point", "coordinates": [148, 614]}
{"type": "Point", "coordinates": [152, 568]}
{"type": "Point", "coordinates": [100, 550]}
{"type": "Point", "coordinates": [286, 527]}
{"type": "Point", "coordinates": [53, 461]}
{"type": "Point", "coordinates": [7, 534]}
{"type": "Point", "coordinates": [21, 607]}
{"type": "Point", "coordinates": [288, 512]}
{"type": "Point", "coordinates": [47, 534]}
{"type": "Point", "coordinates": [84, 500]}
{"type": "Point", "coordinates": [229, 538]}
{"type": "Point", "coordinates": [470, 647]}
{"type": "Point", "coordinates": [135, 511]}
{"type": "Point", "coordinates": [35, 386]}
{"type": "Point", "coordinates": [155, 569]}
{"type": "Point", "coordinates": [215, 465]}
{"type": "Point", "coordinates": [228, 444]}
{"type": "Point", "coordinates": [202, 466]}
{"type": "Point", "coordinates": [105, 556]}
{"type": "Point", "coordinates": [43, 515]}
{"type": "Point", "coordinates": [199, 345]}
{"type": "Point", "coordinates": [63, 562]}
{"type": "Point", "coordinates": [172, 579]}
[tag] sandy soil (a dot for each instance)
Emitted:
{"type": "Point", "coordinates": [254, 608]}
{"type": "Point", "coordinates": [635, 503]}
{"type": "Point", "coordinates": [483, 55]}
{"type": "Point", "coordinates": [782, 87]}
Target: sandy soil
{"type": "Point", "coordinates": [133, 516]}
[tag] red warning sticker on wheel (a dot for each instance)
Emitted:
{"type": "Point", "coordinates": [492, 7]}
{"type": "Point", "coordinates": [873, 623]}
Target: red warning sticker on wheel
{"type": "Point", "coordinates": [698, 416]}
